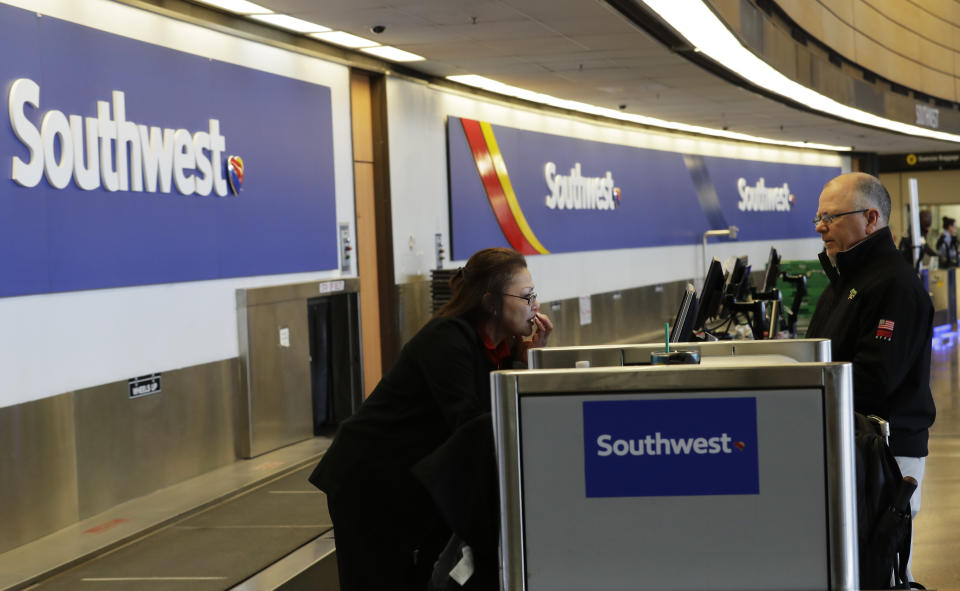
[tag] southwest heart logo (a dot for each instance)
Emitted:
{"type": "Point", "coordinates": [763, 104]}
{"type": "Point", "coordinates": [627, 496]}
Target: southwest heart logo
{"type": "Point", "coordinates": [739, 445]}
{"type": "Point", "coordinates": [496, 182]}
{"type": "Point", "coordinates": [235, 173]}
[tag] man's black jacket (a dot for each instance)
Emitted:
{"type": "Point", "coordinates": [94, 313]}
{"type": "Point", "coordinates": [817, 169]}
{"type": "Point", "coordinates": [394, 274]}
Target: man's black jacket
{"type": "Point", "coordinates": [878, 316]}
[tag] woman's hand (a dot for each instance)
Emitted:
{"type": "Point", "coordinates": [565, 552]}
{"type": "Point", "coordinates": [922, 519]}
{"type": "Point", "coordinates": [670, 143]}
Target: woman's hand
{"type": "Point", "coordinates": [544, 328]}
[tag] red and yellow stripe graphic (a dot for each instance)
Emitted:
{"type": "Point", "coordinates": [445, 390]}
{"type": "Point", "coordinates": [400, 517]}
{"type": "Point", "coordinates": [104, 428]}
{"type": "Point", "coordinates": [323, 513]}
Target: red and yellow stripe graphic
{"type": "Point", "coordinates": [496, 182]}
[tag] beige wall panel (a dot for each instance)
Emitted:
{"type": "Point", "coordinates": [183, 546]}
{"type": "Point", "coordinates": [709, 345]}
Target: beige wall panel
{"type": "Point", "coordinates": [937, 84]}
{"type": "Point", "coordinates": [826, 26]}
{"type": "Point", "coordinates": [921, 22]}
{"type": "Point", "coordinates": [360, 118]}
{"type": "Point", "coordinates": [367, 269]}
{"type": "Point", "coordinates": [780, 50]}
{"type": "Point", "coordinates": [884, 30]}
{"type": "Point", "coordinates": [842, 8]}
{"type": "Point", "coordinates": [881, 60]}
{"type": "Point", "coordinates": [729, 12]}
{"type": "Point", "coordinates": [948, 10]}
{"type": "Point", "coordinates": [888, 29]}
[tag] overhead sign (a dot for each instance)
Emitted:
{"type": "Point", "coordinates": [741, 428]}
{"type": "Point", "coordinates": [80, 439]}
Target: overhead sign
{"type": "Point", "coordinates": [912, 161]}
{"type": "Point", "coordinates": [541, 193]}
{"type": "Point", "coordinates": [671, 447]}
{"type": "Point", "coordinates": [128, 163]}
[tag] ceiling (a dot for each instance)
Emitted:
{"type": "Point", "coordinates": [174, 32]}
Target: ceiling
{"type": "Point", "coordinates": [586, 51]}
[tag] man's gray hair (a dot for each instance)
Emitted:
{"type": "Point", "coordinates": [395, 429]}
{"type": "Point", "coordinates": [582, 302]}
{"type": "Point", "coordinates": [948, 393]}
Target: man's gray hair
{"type": "Point", "coordinates": [869, 192]}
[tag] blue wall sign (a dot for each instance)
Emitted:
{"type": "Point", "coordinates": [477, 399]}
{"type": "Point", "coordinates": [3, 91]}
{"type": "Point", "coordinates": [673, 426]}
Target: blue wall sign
{"type": "Point", "coordinates": [115, 164]}
{"type": "Point", "coordinates": [542, 193]}
{"type": "Point", "coordinates": [671, 447]}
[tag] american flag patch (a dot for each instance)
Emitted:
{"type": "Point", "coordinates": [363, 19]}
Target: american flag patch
{"type": "Point", "coordinates": [885, 330]}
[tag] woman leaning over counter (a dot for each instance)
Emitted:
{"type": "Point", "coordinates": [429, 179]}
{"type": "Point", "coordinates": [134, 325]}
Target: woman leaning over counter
{"type": "Point", "coordinates": [389, 531]}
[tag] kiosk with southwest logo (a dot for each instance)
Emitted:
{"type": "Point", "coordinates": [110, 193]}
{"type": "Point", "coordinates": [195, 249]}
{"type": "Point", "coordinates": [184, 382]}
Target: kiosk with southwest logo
{"type": "Point", "coordinates": [728, 475]}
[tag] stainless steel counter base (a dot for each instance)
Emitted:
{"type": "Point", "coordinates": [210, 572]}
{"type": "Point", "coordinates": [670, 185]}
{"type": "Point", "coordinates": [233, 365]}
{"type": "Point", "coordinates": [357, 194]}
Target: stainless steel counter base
{"type": "Point", "coordinates": [545, 514]}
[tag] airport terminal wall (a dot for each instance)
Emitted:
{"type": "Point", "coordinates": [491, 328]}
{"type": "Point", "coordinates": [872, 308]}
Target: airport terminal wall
{"type": "Point", "coordinates": [626, 259]}
{"type": "Point", "coordinates": [86, 314]}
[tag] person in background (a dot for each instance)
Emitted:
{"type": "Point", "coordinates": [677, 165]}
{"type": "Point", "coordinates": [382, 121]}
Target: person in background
{"type": "Point", "coordinates": [389, 530]}
{"type": "Point", "coordinates": [925, 219]}
{"type": "Point", "coordinates": [947, 251]}
{"type": "Point", "coordinates": [877, 316]}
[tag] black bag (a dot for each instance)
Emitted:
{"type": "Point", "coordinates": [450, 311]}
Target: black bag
{"type": "Point", "coordinates": [883, 509]}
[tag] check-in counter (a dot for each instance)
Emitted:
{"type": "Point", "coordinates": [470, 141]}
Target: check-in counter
{"type": "Point", "coordinates": [734, 474]}
{"type": "Point", "coordinates": [639, 354]}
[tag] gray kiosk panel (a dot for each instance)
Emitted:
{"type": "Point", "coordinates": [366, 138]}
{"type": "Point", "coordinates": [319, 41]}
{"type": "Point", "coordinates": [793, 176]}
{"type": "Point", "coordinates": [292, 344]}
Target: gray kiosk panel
{"type": "Point", "coordinates": [802, 350]}
{"type": "Point", "coordinates": [677, 477]}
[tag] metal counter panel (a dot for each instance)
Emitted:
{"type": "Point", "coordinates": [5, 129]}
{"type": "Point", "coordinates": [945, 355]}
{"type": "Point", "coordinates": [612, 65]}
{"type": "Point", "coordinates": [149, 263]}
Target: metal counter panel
{"type": "Point", "coordinates": [798, 532]}
{"type": "Point", "coordinates": [802, 350]}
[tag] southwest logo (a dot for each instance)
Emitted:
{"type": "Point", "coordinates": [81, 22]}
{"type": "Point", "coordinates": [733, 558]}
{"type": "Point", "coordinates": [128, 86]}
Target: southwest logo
{"type": "Point", "coordinates": [670, 447]}
{"type": "Point", "coordinates": [235, 173]}
{"type": "Point", "coordinates": [760, 197]}
{"type": "Point", "coordinates": [657, 445]}
{"type": "Point", "coordinates": [575, 191]}
{"type": "Point", "coordinates": [496, 182]}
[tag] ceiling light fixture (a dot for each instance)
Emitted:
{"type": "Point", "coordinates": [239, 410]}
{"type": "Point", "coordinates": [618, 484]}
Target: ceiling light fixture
{"type": "Point", "coordinates": [694, 20]}
{"type": "Point", "coordinates": [345, 39]}
{"type": "Point", "coordinates": [238, 6]}
{"type": "Point", "coordinates": [290, 23]}
{"type": "Point", "coordinates": [506, 89]}
{"type": "Point", "coordinates": [393, 54]}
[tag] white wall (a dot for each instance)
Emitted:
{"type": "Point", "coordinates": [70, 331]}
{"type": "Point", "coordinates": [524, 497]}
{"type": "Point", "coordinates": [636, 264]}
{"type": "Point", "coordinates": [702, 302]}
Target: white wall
{"type": "Point", "coordinates": [418, 180]}
{"type": "Point", "coordinates": [55, 343]}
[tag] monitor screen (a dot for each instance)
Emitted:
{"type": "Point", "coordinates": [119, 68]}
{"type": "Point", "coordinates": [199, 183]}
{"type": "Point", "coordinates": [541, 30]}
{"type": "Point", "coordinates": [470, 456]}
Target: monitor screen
{"type": "Point", "coordinates": [682, 330]}
{"type": "Point", "coordinates": [737, 273]}
{"type": "Point", "coordinates": [711, 295]}
{"type": "Point", "coordinates": [772, 272]}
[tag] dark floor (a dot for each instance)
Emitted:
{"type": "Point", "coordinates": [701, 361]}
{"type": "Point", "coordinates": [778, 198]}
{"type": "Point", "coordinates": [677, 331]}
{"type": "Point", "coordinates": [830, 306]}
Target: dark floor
{"type": "Point", "coordinates": [936, 550]}
{"type": "Point", "coordinates": [212, 550]}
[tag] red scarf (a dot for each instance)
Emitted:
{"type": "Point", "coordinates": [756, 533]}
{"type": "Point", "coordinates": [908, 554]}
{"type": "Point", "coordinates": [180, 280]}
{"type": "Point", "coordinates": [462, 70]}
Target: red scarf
{"type": "Point", "coordinates": [495, 353]}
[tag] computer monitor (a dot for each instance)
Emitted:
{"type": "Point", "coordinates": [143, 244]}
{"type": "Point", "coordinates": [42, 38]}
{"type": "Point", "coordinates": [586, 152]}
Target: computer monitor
{"type": "Point", "coordinates": [738, 275]}
{"type": "Point", "coordinates": [711, 294]}
{"type": "Point", "coordinates": [772, 271]}
{"type": "Point", "coordinates": [682, 330]}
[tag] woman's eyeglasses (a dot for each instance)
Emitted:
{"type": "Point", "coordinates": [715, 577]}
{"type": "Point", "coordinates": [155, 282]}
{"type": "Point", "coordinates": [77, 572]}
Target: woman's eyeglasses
{"type": "Point", "coordinates": [530, 297]}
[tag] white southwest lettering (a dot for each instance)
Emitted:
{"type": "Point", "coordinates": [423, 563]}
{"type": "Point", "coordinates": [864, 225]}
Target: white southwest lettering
{"type": "Point", "coordinates": [656, 445]}
{"type": "Point", "coordinates": [760, 197]}
{"type": "Point", "coordinates": [575, 191]}
{"type": "Point", "coordinates": [131, 156]}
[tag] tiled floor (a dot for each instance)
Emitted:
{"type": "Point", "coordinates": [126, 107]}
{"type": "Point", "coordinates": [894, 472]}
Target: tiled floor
{"type": "Point", "coordinates": [936, 550]}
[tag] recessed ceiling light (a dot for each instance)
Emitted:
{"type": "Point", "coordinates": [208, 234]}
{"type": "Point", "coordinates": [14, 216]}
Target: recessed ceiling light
{"type": "Point", "coordinates": [345, 39]}
{"type": "Point", "coordinates": [546, 99]}
{"type": "Point", "coordinates": [393, 54]}
{"type": "Point", "coordinates": [238, 6]}
{"type": "Point", "coordinates": [290, 23]}
{"type": "Point", "coordinates": [700, 26]}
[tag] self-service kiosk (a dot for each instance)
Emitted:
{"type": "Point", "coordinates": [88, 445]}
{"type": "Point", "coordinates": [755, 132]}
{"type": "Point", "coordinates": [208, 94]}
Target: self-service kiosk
{"type": "Point", "coordinates": [727, 475]}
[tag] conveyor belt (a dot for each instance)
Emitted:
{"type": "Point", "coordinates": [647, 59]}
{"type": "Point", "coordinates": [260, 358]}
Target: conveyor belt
{"type": "Point", "coordinates": [214, 549]}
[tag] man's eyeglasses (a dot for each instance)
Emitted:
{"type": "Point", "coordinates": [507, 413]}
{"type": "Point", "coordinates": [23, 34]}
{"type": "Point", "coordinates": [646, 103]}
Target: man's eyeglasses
{"type": "Point", "coordinates": [530, 297]}
{"type": "Point", "coordinates": [828, 218]}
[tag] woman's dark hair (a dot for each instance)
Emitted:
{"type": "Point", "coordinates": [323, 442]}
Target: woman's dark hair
{"type": "Point", "coordinates": [947, 222]}
{"type": "Point", "coordinates": [488, 271]}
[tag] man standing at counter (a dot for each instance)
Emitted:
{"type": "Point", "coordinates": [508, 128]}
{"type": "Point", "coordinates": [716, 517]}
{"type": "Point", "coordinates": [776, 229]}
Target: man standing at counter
{"type": "Point", "coordinates": [877, 315]}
